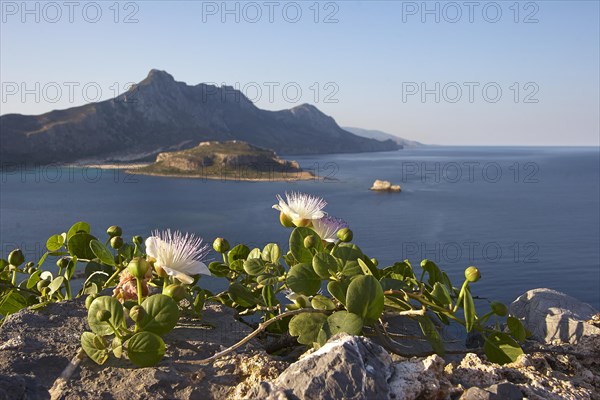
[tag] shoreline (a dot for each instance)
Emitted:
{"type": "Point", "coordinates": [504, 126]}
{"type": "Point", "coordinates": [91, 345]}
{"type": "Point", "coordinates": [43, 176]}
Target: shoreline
{"type": "Point", "coordinates": [303, 176]}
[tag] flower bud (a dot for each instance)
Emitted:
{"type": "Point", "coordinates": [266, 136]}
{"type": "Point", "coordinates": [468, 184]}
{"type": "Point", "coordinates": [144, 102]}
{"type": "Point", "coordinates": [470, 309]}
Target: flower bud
{"type": "Point", "coordinates": [138, 240]}
{"type": "Point", "coordinates": [62, 262]}
{"type": "Point", "coordinates": [116, 242]}
{"type": "Point", "coordinates": [103, 315]}
{"type": "Point", "coordinates": [472, 274]}
{"type": "Point", "coordinates": [16, 257]}
{"type": "Point", "coordinates": [221, 245]}
{"type": "Point", "coordinates": [310, 241]}
{"type": "Point", "coordinates": [176, 292]}
{"type": "Point", "coordinates": [30, 264]}
{"type": "Point", "coordinates": [89, 299]}
{"type": "Point", "coordinates": [374, 261]}
{"type": "Point", "coordinates": [137, 313]}
{"type": "Point", "coordinates": [285, 220]}
{"type": "Point", "coordinates": [42, 284]}
{"type": "Point", "coordinates": [114, 231]}
{"type": "Point", "coordinates": [138, 267]}
{"type": "Point", "coordinates": [499, 309]}
{"type": "Point", "coordinates": [345, 235]}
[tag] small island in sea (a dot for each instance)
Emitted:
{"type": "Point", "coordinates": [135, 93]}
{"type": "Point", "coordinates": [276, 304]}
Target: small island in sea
{"type": "Point", "coordinates": [229, 160]}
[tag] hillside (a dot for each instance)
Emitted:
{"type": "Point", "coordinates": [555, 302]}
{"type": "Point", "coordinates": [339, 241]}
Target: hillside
{"type": "Point", "coordinates": [160, 114]}
{"type": "Point", "coordinates": [231, 160]}
{"type": "Point", "coordinates": [380, 135]}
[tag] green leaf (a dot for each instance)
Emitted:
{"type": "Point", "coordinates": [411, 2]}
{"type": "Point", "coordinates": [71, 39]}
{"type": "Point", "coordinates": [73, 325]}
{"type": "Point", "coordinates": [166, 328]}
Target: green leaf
{"type": "Point", "coordinates": [469, 309]}
{"type": "Point", "coordinates": [237, 265]}
{"type": "Point", "coordinates": [33, 279]}
{"type": "Point", "coordinates": [301, 253]}
{"type": "Point", "coordinates": [440, 293]}
{"type": "Point", "coordinates": [79, 246]}
{"type": "Point", "coordinates": [350, 268]}
{"type": "Point", "coordinates": [517, 330]}
{"type": "Point", "coordinates": [254, 266]}
{"type": "Point", "coordinates": [242, 295]}
{"type": "Point", "coordinates": [78, 227]}
{"type": "Point", "coordinates": [102, 253]}
{"type": "Point", "coordinates": [303, 280]}
{"type": "Point", "coordinates": [400, 271]}
{"type": "Point", "coordinates": [55, 242]}
{"type": "Point", "coordinates": [365, 269]}
{"type": "Point", "coordinates": [239, 252]}
{"type": "Point", "coordinates": [271, 253]}
{"type": "Point", "coordinates": [95, 347]}
{"type": "Point", "coordinates": [338, 290]}
{"type": "Point", "coordinates": [56, 284]}
{"type": "Point", "coordinates": [501, 349]}
{"type": "Point", "coordinates": [96, 272]}
{"type": "Point", "coordinates": [435, 274]}
{"type": "Point", "coordinates": [218, 269]}
{"type": "Point", "coordinates": [324, 264]}
{"type": "Point", "coordinates": [268, 296]}
{"type": "Point", "coordinates": [162, 314]}
{"type": "Point", "coordinates": [365, 298]}
{"type": "Point", "coordinates": [343, 321]}
{"type": "Point", "coordinates": [267, 280]}
{"type": "Point", "coordinates": [431, 333]}
{"type": "Point", "coordinates": [11, 302]}
{"type": "Point", "coordinates": [70, 270]}
{"type": "Point", "coordinates": [145, 349]}
{"type": "Point", "coordinates": [321, 302]}
{"type": "Point", "coordinates": [116, 315]}
{"type": "Point", "coordinates": [307, 326]}
{"type": "Point", "coordinates": [254, 253]}
{"type": "Point", "coordinates": [347, 256]}
{"type": "Point", "coordinates": [117, 347]}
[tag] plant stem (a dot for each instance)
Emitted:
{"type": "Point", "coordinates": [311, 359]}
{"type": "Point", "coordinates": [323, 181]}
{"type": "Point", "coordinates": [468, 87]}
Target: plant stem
{"type": "Point", "coordinates": [113, 276]}
{"type": "Point", "coordinates": [115, 330]}
{"type": "Point", "coordinates": [224, 259]}
{"type": "Point", "coordinates": [460, 295]}
{"type": "Point", "coordinates": [68, 290]}
{"type": "Point", "coordinates": [258, 330]}
{"type": "Point", "coordinates": [139, 290]}
{"type": "Point", "coordinates": [13, 281]}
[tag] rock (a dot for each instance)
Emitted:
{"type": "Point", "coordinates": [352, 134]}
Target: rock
{"type": "Point", "coordinates": [38, 345]}
{"type": "Point", "coordinates": [348, 367]}
{"type": "Point", "coordinates": [554, 316]}
{"type": "Point", "coordinates": [419, 378]}
{"type": "Point", "coordinates": [502, 391]}
{"type": "Point", "coordinates": [384, 186]}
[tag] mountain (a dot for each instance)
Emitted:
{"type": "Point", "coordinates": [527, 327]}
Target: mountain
{"type": "Point", "coordinates": [160, 114]}
{"type": "Point", "coordinates": [379, 135]}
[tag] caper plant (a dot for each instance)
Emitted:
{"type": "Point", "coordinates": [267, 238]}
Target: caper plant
{"type": "Point", "coordinates": [330, 284]}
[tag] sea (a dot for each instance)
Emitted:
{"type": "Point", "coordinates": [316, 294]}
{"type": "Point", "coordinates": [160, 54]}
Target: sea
{"type": "Point", "coordinates": [527, 217]}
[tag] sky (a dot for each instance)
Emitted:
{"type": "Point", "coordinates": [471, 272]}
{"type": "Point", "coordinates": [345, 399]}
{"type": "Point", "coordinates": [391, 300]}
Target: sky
{"type": "Point", "coordinates": [452, 73]}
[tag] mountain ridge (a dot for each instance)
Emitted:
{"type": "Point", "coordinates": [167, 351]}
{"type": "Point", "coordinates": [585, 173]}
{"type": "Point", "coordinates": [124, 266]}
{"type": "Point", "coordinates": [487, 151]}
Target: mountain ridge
{"type": "Point", "coordinates": [161, 114]}
{"type": "Point", "coordinates": [381, 135]}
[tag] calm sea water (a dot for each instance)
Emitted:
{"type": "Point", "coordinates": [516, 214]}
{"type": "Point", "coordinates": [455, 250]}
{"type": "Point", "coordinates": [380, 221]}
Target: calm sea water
{"type": "Point", "coordinates": [526, 217]}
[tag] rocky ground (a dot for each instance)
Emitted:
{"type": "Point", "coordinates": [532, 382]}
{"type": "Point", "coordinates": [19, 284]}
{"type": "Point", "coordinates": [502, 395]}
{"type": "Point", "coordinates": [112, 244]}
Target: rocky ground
{"type": "Point", "coordinates": [561, 363]}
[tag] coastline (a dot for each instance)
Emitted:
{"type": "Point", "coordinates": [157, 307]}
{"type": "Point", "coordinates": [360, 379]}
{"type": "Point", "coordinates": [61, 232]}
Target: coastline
{"type": "Point", "coordinates": [136, 169]}
{"type": "Point", "coordinates": [273, 177]}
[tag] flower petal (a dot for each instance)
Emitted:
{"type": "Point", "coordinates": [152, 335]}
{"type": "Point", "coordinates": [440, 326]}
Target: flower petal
{"type": "Point", "coordinates": [152, 244]}
{"type": "Point", "coordinates": [184, 278]}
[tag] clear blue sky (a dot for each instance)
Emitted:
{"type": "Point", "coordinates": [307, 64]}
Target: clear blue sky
{"type": "Point", "coordinates": [374, 61]}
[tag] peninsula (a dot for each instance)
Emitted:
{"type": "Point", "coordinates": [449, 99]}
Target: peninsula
{"type": "Point", "coordinates": [229, 160]}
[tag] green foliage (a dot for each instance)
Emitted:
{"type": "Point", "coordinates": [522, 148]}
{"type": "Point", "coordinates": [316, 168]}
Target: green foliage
{"type": "Point", "coordinates": [331, 287]}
